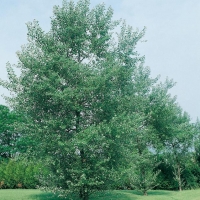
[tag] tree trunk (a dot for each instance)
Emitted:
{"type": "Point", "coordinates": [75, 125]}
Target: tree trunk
{"type": "Point", "coordinates": [145, 193]}
{"type": "Point", "coordinates": [83, 194]}
{"type": "Point", "coordinates": [179, 178]}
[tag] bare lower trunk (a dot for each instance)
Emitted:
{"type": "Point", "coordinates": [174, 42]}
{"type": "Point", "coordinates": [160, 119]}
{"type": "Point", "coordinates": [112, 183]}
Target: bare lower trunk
{"type": "Point", "coordinates": [145, 193]}
{"type": "Point", "coordinates": [83, 194]}
{"type": "Point", "coordinates": [177, 173]}
{"type": "Point", "coordinates": [179, 178]}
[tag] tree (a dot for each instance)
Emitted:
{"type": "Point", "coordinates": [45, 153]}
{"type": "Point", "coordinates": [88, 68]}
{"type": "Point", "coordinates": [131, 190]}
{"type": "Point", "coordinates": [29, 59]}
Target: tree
{"type": "Point", "coordinates": [143, 174]}
{"type": "Point", "coordinates": [144, 141]}
{"type": "Point", "coordinates": [163, 124]}
{"type": "Point", "coordinates": [178, 144]}
{"type": "Point", "coordinates": [9, 137]}
{"type": "Point", "coordinates": [74, 91]}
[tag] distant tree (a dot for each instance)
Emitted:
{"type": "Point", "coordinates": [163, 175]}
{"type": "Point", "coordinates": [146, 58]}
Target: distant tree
{"type": "Point", "coordinates": [179, 144]}
{"type": "Point", "coordinates": [143, 173]}
{"type": "Point", "coordinates": [165, 131]}
{"type": "Point", "coordinates": [150, 98]}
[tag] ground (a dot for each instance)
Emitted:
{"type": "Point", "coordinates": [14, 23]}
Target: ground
{"type": "Point", "coordinates": [21, 194]}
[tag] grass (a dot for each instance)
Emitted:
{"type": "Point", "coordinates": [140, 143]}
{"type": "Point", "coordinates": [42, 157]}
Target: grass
{"type": "Point", "coordinates": [152, 195]}
{"type": "Point", "coordinates": [21, 194]}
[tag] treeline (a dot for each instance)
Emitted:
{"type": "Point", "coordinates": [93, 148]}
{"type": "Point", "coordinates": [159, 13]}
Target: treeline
{"type": "Point", "coordinates": [171, 167]}
{"type": "Point", "coordinates": [91, 113]}
{"type": "Point", "coordinates": [16, 169]}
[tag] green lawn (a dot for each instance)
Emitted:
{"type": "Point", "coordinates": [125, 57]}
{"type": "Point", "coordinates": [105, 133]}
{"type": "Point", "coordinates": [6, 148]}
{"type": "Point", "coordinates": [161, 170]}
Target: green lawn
{"type": "Point", "coordinates": [114, 195]}
{"type": "Point", "coordinates": [152, 195]}
{"type": "Point", "coordinates": [20, 194]}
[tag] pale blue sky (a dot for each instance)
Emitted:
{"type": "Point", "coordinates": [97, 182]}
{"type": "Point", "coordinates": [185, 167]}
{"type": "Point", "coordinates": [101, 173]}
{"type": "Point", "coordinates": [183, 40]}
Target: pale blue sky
{"type": "Point", "coordinates": [173, 38]}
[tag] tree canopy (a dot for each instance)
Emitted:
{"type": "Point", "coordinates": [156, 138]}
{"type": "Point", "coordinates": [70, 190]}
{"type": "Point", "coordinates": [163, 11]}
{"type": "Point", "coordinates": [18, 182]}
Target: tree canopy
{"type": "Point", "coordinates": [90, 107]}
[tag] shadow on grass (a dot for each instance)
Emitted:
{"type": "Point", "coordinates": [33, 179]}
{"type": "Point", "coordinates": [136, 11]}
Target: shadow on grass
{"type": "Point", "coordinates": [106, 195]}
{"type": "Point", "coordinates": [133, 194]}
{"type": "Point", "coordinates": [159, 192]}
{"type": "Point", "coordinates": [150, 192]}
{"type": "Point", "coordinates": [116, 195]}
{"type": "Point", "coordinates": [45, 196]}
{"type": "Point", "coordinates": [111, 195]}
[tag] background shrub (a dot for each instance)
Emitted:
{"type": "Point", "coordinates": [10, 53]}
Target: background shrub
{"type": "Point", "coordinates": [19, 174]}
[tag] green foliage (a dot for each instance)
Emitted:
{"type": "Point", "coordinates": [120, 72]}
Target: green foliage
{"type": "Point", "coordinates": [143, 176]}
{"type": "Point", "coordinates": [19, 174]}
{"type": "Point", "coordinates": [166, 178]}
{"type": "Point", "coordinates": [9, 137]}
{"type": "Point", "coordinates": [71, 91]}
{"type": "Point", "coordinates": [189, 175]}
{"type": "Point", "coordinates": [91, 111]}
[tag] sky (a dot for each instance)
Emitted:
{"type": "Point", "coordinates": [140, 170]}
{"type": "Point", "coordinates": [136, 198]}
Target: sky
{"type": "Point", "coordinates": [173, 38]}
